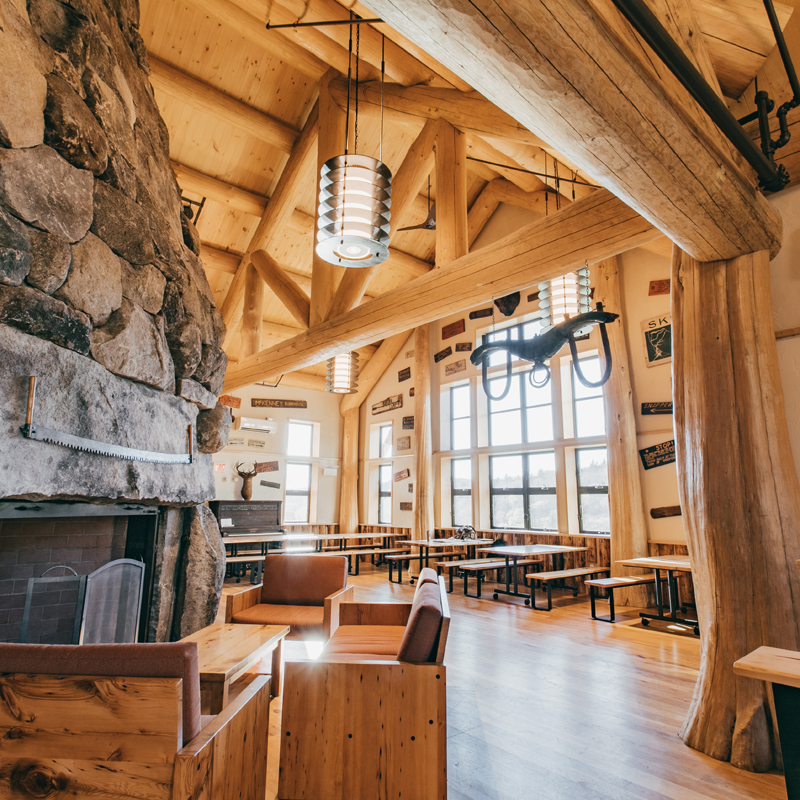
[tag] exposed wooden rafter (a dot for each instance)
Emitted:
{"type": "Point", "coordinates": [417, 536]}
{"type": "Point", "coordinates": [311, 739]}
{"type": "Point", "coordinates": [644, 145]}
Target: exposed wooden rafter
{"type": "Point", "coordinates": [288, 292]}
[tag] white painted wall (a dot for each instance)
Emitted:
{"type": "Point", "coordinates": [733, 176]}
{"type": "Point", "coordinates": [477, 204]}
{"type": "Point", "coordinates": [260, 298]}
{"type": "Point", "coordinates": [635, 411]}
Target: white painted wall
{"type": "Point", "coordinates": [322, 408]}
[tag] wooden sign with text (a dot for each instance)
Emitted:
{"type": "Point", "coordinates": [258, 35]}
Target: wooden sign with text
{"type": "Point", "coordinates": [648, 409]}
{"type": "Point", "coordinates": [402, 475]}
{"type": "Point", "coordinates": [389, 404]}
{"type": "Point", "coordinates": [442, 354]}
{"type": "Point", "coordinates": [270, 484]}
{"type": "Point", "coordinates": [453, 329]}
{"type": "Point", "coordinates": [659, 287]}
{"type": "Point", "coordinates": [456, 366]}
{"type": "Point", "coordinates": [403, 443]}
{"type": "Point", "coordinates": [230, 401]}
{"type": "Point", "coordinates": [408, 423]}
{"type": "Point", "coordinates": [411, 392]}
{"type": "Point", "coordinates": [464, 347]}
{"type": "Point", "coordinates": [403, 374]}
{"type": "Point", "coordinates": [658, 455]}
{"type": "Point", "coordinates": [665, 511]}
{"type": "Point", "coordinates": [481, 313]}
{"type": "Point", "coordinates": [406, 506]}
{"type": "Point", "coordinates": [263, 402]}
{"type": "Point", "coordinates": [266, 466]}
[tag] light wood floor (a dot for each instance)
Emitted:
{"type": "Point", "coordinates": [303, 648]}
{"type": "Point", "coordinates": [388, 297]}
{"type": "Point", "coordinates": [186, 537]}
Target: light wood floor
{"type": "Point", "coordinates": [558, 707]}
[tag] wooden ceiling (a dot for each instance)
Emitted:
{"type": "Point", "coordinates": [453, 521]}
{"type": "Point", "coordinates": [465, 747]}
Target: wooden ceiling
{"type": "Point", "coordinates": [236, 97]}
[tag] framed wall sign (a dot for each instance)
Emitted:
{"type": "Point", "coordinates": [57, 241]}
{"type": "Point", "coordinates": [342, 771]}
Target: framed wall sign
{"type": "Point", "coordinates": [406, 506]}
{"type": "Point", "coordinates": [648, 409]}
{"type": "Point", "coordinates": [442, 354]}
{"type": "Point", "coordinates": [658, 455]}
{"type": "Point", "coordinates": [389, 404]}
{"type": "Point", "coordinates": [453, 329]}
{"type": "Point", "coordinates": [657, 334]}
{"type": "Point", "coordinates": [408, 423]}
{"type": "Point", "coordinates": [404, 374]}
{"type": "Point", "coordinates": [659, 287]}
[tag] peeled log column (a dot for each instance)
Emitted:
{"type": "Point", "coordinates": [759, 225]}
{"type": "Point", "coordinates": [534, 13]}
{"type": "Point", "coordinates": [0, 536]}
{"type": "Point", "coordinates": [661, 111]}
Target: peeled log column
{"type": "Point", "coordinates": [348, 499]}
{"type": "Point", "coordinates": [739, 494]}
{"type": "Point", "coordinates": [423, 483]}
{"type": "Point", "coordinates": [628, 525]}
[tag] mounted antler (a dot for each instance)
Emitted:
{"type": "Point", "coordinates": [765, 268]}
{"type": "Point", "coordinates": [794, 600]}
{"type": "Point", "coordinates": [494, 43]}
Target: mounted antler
{"type": "Point", "coordinates": [247, 481]}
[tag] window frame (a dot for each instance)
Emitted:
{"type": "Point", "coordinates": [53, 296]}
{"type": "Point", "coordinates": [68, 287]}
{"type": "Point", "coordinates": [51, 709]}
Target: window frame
{"type": "Point", "coordinates": [299, 493]}
{"type": "Point", "coordinates": [459, 492]}
{"type": "Point", "coordinates": [582, 490]}
{"type": "Point", "coordinates": [575, 399]}
{"type": "Point", "coordinates": [522, 410]}
{"type": "Point", "coordinates": [454, 419]}
{"type": "Point", "coordinates": [381, 426]}
{"type": "Point", "coordinates": [384, 494]}
{"type": "Point", "coordinates": [310, 452]}
{"type": "Point", "coordinates": [526, 490]}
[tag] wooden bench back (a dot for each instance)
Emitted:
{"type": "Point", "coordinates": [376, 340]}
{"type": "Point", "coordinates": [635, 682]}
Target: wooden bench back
{"type": "Point", "coordinates": [445, 627]}
{"type": "Point", "coordinates": [88, 736]}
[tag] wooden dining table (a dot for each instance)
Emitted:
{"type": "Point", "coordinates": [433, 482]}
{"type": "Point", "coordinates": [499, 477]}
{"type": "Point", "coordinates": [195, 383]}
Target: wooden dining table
{"type": "Point", "coordinates": [426, 545]}
{"type": "Point", "coordinates": [670, 565]}
{"type": "Point", "coordinates": [513, 552]}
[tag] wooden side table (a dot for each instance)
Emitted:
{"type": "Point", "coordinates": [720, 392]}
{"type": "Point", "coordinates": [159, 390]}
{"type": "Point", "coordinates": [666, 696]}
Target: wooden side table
{"type": "Point", "coordinates": [227, 651]}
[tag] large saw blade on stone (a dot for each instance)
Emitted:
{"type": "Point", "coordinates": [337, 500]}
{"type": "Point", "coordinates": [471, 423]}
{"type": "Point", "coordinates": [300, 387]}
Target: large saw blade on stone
{"type": "Point", "coordinates": [42, 434]}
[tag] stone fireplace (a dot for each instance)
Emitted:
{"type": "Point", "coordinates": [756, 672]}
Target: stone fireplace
{"type": "Point", "coordinates": [103, 298]}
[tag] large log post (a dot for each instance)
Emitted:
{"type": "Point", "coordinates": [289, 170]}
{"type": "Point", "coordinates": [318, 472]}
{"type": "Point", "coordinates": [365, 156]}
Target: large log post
{"type": "Point", "coordinates": [423, 449]}
{"type": "Point", "coordinates": [628, 525]}
{"type": "Point", "coordinates": [348, 499]}
{"type": "Point", "coordinates": [252, 313]}
{"type": "Point", "coordinates": [739, 494]}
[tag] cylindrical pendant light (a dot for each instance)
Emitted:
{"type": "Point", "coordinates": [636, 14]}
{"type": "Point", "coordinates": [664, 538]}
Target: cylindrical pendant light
{"type": "Point", "coordinates": [342, 374]}
{"type": "Point", "coordinates": [564, 297]}
{"type": "Point", "coordinates": [354, 211]}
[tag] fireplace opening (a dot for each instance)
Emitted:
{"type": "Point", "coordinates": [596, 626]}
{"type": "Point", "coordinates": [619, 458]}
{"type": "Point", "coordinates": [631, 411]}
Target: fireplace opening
{"type": "Point", "coordinates": [59, 544]}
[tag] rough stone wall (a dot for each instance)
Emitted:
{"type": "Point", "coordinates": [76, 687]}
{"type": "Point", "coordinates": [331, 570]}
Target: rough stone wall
{"type": "Point", "coordinates": [95, 254]}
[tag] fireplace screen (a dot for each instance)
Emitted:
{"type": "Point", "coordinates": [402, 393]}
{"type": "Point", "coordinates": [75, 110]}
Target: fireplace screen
{"type": "Point", "coordinates": [113, 602]}
{"type": "Point", "coordinates": [100, 608]}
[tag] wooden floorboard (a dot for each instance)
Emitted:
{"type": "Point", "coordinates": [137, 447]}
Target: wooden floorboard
{"type": "Point", "coordinates": [556, 706]}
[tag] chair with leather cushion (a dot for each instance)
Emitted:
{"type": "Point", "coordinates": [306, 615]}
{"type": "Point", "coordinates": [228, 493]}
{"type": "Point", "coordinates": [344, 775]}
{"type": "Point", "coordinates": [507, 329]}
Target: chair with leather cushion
{"type": "Point", "coordinates": [302, 591]}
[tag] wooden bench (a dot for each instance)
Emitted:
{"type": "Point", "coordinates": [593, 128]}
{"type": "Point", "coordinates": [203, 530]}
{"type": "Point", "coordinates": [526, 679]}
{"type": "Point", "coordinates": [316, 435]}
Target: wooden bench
{"type": "Point", "coordinates": [557, 575]}
{"type": "Point", "coordinates": [609, 584]}
{"type": "Point", "coordinates": [353, 555]}
{"type": "Point", "coordinates": [400, 560]}
{"type": "Point", "coordinates": [478, 566]}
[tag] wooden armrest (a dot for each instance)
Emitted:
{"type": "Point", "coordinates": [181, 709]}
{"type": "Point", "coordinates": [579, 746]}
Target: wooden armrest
{"type": "Point", "coordinates": [238, 758]}
{"type": "Point", "coordinates": [374, 613]}
{"type": "Point", "coordinates": [234, 603]}
{"type": "Point", "coordinates": [332, 603]}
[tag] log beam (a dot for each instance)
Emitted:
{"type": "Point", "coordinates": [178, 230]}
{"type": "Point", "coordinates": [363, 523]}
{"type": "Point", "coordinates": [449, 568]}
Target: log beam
{"type": "Point", "coordinates": [451, 194]}
{"type": "Point", "coordinates": [423, 525]}
{"type": "Point", "coordinates": [252, 314]}
{"type": "Point", "coordinates": [580, 84]}
{"type": "Point", "coordinates": [202, 97]}
{"type": "Point", "coordinates": [284, 287]}
{"type": "Point", "coordinates": [276, 215]}
{"type": "Point", "coordinates": [739, 496]}
{"type": "Point", "coordinates": [348, 487]}
{"type": "Point", "coordinates": [592, 229]}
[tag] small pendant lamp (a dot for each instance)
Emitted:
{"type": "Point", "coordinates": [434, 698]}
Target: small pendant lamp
{"type": "Point", "coordinates": [564, 297]}
{"type": "Point", "coordinates": [355, 197]}
{"type": "Point", "coordinates": [342, 374]}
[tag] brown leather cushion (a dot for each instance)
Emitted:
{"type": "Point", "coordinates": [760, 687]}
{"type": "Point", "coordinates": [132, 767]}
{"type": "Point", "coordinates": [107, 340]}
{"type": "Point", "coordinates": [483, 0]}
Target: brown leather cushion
{"type": "Point", "coordinates": [422, 628]}
{"type": "Point", "coordinates": [302, 580]}
{"type": "Point", "coordinates": [169, 660]}
{"type": "Point", "coordinates": [304, 621]}
{"type": "Point", "coordinates": [383, 640]}
{"type": "Point", "coordinates": [427, 575]}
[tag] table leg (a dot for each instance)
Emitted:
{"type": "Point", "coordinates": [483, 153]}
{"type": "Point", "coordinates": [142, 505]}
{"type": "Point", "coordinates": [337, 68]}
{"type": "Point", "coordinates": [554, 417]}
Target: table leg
{"type": "Point", "coordinates": [659, 596]}
{"type": "Point", "coordinates": [508, 575]}
{"type": "Point", "coordinates": [516, 577]}
{"type": "Point", "coordinates": [218, 696]}
{"type": "Point", "coordinates": [276, 684]}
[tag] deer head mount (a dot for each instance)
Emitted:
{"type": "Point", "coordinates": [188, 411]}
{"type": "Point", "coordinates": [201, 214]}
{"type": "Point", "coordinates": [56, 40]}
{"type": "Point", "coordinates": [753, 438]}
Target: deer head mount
{"type": "Point", "coordinates": [247, 481]}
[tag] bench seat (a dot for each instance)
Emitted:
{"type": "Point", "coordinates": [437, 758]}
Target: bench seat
{"type": "Point", "coordinates": [560, 574]}
{"type": "Point", "coordinates": [401, 559]}
{"type": "Point", "coordinates": [609, 584]}
{"type": "Point", "coordinates": [477, 566]}
{"type": "Point", "coordinates": [305, 621]}
{"type": "Point", "coordinates": [353, 559]}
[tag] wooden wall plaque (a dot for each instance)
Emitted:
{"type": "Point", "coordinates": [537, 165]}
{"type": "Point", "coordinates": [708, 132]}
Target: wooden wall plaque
{"type": "Point", "coordinates": [658, 455]}
{"type": "Point", "coordinates": [648, 409]}
{"type": "Point", "coordinates": [665, 511]}
{"type": "Point", "coordinates": [463, 347]}
{"type": "Point", "coordinates": [402, 475]}
{"type": "Point", "coordinates": [659, 287]}
{"type": "Point", "coordinates": [264, 402]}
{"type": "Point", "coordinates": [442, 354]}
{"type": "Point", "coordinates": [266, 466]}
{"type": "Point", "coordinates": [456, 366]}
{"type": "Point", "coordinates": [480, 313]}
{"type": "Point", "coordinates": [406, 506]}
{"type": "Point", "coordinates": [389, 404]}
{"type": "Point", "coordinates": [403, 374]}
{"type": "Point", "coordinates": [230, 401]}
{"type": "Point", "coordinates": [403, 443]}
{"type": "Point", "coordinates": [453, 329]}
{"type": "Point", "coordinates": [411, 392]}
{"type": "Point", "coordinates": [270, 484]}
{"type": "Point", "coordinates": [408, 423]}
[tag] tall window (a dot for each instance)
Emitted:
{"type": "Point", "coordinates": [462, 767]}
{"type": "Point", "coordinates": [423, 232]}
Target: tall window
{"type": "Point", "coordinates": [461, 491]}
{"type": "Point", "coordinates": [385, 494]}
{"type": "Point", "coordinates": [507, 422]}
{"type": "Point", "coordinates": [300, 438]}
{"type": "Point", "coordinates": [298, 492]}
{"type": "Point", "coordinates": [592, 469]}
{"type": "Point", "coordinates": [590, 417]}
{"type": "Point", "coordinates": [522, 489]}
{"type": "Point", "coordinates": [385, 441]}
{"type": "Point", "coordinates": [460, 431]}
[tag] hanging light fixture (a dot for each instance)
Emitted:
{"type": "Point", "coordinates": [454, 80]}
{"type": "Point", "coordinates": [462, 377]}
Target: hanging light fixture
{"type": "Point", "coordinates": [342, 374]}
{"type": "Point", "coordinates": [564, 297]}
{"type": "Point", "coordinates": [355, 197]}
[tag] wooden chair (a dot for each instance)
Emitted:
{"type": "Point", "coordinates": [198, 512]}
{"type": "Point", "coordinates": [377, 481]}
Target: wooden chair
{"type": "Point", "coordinates": [123, 720]}
{"type": "Point", "coordinates": [368, 718]}
{"type": "Point", "coordinates": [303, 592]}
